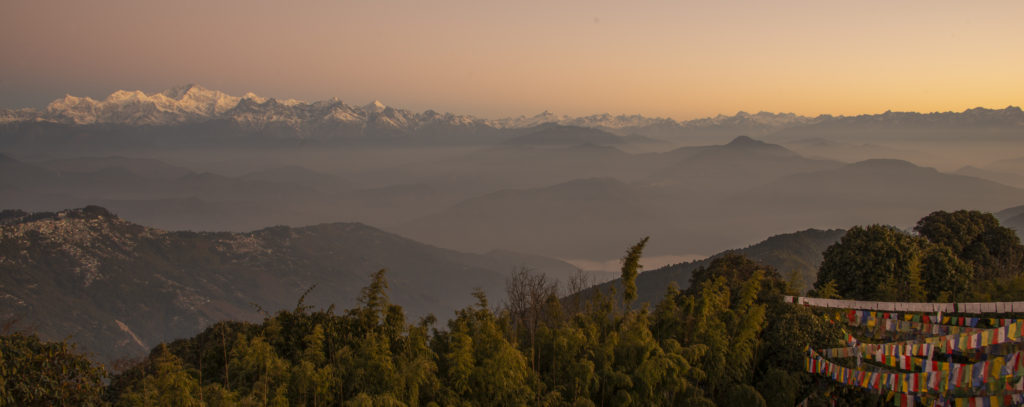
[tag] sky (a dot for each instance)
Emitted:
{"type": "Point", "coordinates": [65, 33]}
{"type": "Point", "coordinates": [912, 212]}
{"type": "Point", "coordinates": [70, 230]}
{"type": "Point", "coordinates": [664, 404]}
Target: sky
{"type": "Point", "coordinates": [678, 59]}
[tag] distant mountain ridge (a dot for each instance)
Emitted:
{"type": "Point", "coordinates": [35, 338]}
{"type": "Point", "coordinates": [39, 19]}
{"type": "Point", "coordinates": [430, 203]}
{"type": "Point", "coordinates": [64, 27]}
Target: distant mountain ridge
{"type": "Point", "coordinates": [118, 288]}
{"type": "Point", "coordinates": [193, 104]}
{"type": "Point", "coordinates": [1013, 218]}
{"type": "Point", "coordinates": [701, 199]}
{"type": "Point", "coordinates": [571, 201]}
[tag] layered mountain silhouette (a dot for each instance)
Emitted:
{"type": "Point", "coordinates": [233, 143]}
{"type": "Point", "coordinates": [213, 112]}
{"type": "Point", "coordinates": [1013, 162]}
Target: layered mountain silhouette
{"type": "Point", "coordinates": [1007, 178]}
{"type": "Point", "coordinates": [118, 288]}
{"type": "Point", "coordinates": [567, 200]}
{"type": "Point", "coordinates": [704, 198]}
{"type": "Point", "coordinates": [742, 163]}
{"type": "Point", "coordinates": [1013, 218]}
{"type": "Point", "coordinates": [878, 191]}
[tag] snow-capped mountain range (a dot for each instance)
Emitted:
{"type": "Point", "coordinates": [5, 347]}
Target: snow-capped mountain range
{"type": "Point", "coordinates": [192, 104]}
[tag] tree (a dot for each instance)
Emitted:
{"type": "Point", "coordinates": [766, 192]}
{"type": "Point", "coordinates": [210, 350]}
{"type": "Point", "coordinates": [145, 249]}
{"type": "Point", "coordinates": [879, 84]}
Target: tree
{"type": "Point", "coordinates": [415, 362]}
{"type": "Point", "coordinates": [262, 374]}
{"type": "Point", "coordinates": [728, 339]}
{"type": "Point", "coordinates": [737, 270]}
{"type": "Point", "coordinates": [374, 301]}
{"type": "Point", "coordinates": [790, 328]}
{"type": "Point", "coordinates": [630, 269]}
{"type": "Point", "coordinates": [313, 380]}
{"type": "Point", "coordinates": [37, 373]}
{"type": "Point", "coordinates": [166, 384]}
{"type": "Point", "coordinates": [875, 263]}
{"type": "Point", "coordinates": [480, 366]}
{"type": "Point", "coordinates": [977, 238]}
{"type": "Point", "coordinates": [946, 277]}
{"type": "Point", "coordinates": [718, 323]}
{"type": "Point", "coordinates": [528, 293]}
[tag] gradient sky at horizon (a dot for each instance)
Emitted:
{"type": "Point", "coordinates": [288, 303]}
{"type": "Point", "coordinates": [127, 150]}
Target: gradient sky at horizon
{"type": "Point", "coordinates": [679, 59]}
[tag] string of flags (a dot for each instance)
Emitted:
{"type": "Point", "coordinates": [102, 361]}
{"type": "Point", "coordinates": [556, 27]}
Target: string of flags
{"type": "Point", "coordinates": [946, 307]}
{"type": "Point", "coordinates": [918, 323]}
{"type": "Point", "coordinates": [874, 317]}
{"type": "Point", "coordinates": [907, 371]}
{"type": "Point", "coordinates": [987, 375]}
{"type": "Point", "coordinates": [943, 344]}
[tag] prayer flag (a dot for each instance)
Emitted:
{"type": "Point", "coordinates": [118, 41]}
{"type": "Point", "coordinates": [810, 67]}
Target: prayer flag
{"type": "Point", "coordinates": [978, 376]}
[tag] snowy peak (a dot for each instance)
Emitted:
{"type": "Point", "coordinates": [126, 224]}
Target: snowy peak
{"type": "Point", "coordinates": [176, 105]}
{"type": "Point", "coordinates": [530, 121]}
{"type": "Point", "coordinates": [760, 120]}
{"type": "Point", "coordinates": [375, 107]}
{"type": "Point", "coordinates": [181, 104]}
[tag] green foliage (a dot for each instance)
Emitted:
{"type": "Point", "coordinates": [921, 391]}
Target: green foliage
{"type": "Point", "coordinates": [959, 256]}
{"type": "Point", "coordinates": [827, 290]}
{"type": "Point", "coordinates": [37, 373]}
{"type": "Point", "coordinates": [779, 387]}
{"type": "Point", "coordinates": [487, 369]}
{"type": "Point", "coordinates": [630, 269]}
{"type": "Point", "coordinates": [875, 263]}
{"type": "Point", "coordinates": [738, 270]}
{"type": "Point", "coordinates": [946, 277]}
{"type": "Point", "coordinates": [261, 374]}
{"type": "Point", "coordinates": [978, 239]}
{"type": "Point", "coordinates": [166, 384]}
{"type": "Point", "coordinates": [727, 340]}
{"type": "Point", "coordinates": [740, 394]}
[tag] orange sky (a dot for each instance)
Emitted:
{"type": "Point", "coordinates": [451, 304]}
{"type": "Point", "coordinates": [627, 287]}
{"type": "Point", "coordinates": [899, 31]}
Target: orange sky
{"type": "Point", "coordinates": [681, 59]}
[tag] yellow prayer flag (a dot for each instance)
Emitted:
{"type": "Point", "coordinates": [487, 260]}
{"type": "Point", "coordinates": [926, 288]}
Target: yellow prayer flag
{"type": "Point", "coordinates": [996, 365]}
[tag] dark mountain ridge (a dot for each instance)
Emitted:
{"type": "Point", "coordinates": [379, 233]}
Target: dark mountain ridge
{"type": "Point", "coordinates": [118, 288]}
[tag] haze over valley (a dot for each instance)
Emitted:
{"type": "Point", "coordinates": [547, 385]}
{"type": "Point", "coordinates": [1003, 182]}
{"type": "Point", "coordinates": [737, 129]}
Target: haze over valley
{"type": "Point", "coordinates": [573, 188]}
{"type": "Point", "coordinates": [238, 200]}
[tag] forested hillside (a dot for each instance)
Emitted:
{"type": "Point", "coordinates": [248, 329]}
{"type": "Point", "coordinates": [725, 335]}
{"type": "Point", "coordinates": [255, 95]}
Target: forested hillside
{"type": "Point", "coordinates": [117, 288]}
{"type": "Point", "coordinates": [727, 339]}
{"type": "Point", "coordinates": [702, 346]}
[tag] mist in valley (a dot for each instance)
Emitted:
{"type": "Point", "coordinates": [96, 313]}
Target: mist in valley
{"type": "Point", "coordinates": [199, 216]}
{"type": "Point", "coordinates": [566, 191]}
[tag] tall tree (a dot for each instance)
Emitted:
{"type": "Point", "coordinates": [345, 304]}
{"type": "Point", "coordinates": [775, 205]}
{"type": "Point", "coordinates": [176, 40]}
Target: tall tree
{"type": "Point", "coordinates": [630, 269]}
